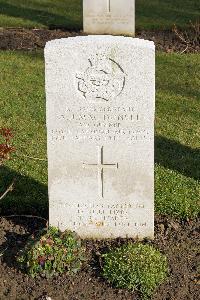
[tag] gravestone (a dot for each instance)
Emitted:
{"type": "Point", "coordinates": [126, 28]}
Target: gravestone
{"type": "Point", "coordinates": [115, 17]}
{"type": "Point", "coordinates": [100, 122]}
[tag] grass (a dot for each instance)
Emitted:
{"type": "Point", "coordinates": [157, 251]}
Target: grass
{"type": "Point", "coordinates": [177, 135]}
{"type": "Point", "coordinates": [163, 14]}
{"type": "Point", "coordinates": [154, 14]}
{"type": "Point", "coordinates": [22, 102]}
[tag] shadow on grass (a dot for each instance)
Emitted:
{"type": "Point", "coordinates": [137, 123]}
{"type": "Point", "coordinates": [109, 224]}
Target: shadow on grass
{"type": "Point", "coordinates": [182, 81]}
{"type": "Point", "coordinates": [28, 196]}
{"type": "Point", "coordinates": [31, 197]}
{"type": "Point", "coordinates": [160, 14]}
{"type": "Point", "coordinates": [149, 14]}
{"type": "Point", "coordinates": [52, 20]}
{"type": "Point", "coordinates": [175, 156]}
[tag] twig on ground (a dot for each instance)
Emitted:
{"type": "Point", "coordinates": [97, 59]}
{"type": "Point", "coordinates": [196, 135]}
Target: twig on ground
{"type": "Point", "coordinates": [2, 252]}
{"type": "Point", "coordinates": [184, 49]}
{"type": "Point", "coordinates": [180, 35]}
{"type": "Point", "coordinates": [9, 189]}
{"type": "Point", "coordinates": [34, 158]}
{"type": "Point", "coordinates": [190, 37]}
{"type": "Point", "coordinates": [31, 157]}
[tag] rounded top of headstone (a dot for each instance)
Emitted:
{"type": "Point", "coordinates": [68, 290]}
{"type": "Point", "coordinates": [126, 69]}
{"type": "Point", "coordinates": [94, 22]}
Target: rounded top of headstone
{"type": "Point", "coordinates": [103, 39]}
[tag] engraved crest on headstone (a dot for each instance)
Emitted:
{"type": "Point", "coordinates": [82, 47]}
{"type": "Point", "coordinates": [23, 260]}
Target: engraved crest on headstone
{"type": "Point", "coordinates": [103, 80]}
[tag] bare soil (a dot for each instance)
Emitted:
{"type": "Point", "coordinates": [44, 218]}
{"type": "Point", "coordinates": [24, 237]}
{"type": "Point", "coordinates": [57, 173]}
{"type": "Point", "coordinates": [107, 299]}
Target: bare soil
{"type": "Point", "coordinates": [179, 241]}
{"type": "Point", "coordinates": [30, 39]}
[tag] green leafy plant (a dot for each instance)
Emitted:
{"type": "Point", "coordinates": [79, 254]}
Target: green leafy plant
{"type": "Point", "coordinates": [52, 252]}
{"type": "Point", "coordinates": [135, 267]}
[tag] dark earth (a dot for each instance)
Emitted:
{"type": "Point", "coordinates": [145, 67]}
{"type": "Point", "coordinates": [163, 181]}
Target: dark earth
{"type": "Point", "coordinates": [178, 240]}
{"type": "Point", "coordinates": [30, 39]}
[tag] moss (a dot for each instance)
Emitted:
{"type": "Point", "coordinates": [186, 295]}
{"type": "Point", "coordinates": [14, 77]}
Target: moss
{"type": "Point", "coordinates": [135, 267]}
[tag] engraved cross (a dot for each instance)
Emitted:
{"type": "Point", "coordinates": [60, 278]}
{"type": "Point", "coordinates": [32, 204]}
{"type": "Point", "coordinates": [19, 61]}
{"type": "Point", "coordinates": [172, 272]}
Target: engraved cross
{"type": "Point", "coordinates": [109, 5]}
{"type": "Point", "coordinates": [100, 167]}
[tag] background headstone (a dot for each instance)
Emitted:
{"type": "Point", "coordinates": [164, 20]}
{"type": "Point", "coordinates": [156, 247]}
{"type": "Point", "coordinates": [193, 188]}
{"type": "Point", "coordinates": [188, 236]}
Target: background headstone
{"type": "Point", "coordinates": [115, 17]}
{"type": "Point", "coordinates": [100, 121]}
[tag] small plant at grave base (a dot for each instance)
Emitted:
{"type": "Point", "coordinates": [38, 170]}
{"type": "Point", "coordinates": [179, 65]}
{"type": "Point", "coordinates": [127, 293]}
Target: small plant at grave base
{"type": "Point", "coordinates": [5, 148]}
{"type": "Point", "coordinates": [135, 267]}
{"type": "Point", "coordinates": [52, 252]}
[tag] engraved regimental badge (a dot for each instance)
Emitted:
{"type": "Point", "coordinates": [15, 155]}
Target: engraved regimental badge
{"type": "Point", "coordinates": [103, 80]}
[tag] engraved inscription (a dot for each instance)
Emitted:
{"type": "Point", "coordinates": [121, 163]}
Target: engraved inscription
{"type": "Point", "coordinates": [100, 215]}
{"type": "Point", "coordinates": [109, 19]}
{"type": "Point", "coordinates": [98, 123]}
{"type": "Point", "coordinates": [102, 81]}
{"type": "Point", "coordinates": [116, 215]}
{"type": "Point", "coordinates": [101, 166]}
{"type": "Point", "coordinates": [102, 133]}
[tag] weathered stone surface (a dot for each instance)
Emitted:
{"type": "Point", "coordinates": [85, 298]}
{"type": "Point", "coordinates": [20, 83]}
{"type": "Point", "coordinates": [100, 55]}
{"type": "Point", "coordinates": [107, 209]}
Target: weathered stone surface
{"type": "Point", "coordinates": [100, 122]}
{"type": "Point", "coordinates": [115, 17]}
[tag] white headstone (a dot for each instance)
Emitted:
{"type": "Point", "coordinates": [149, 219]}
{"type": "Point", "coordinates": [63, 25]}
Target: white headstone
{"type": "Point", "coordinates": [115, 17]}
{"type": "Point", "coordinates": [100, 122]}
